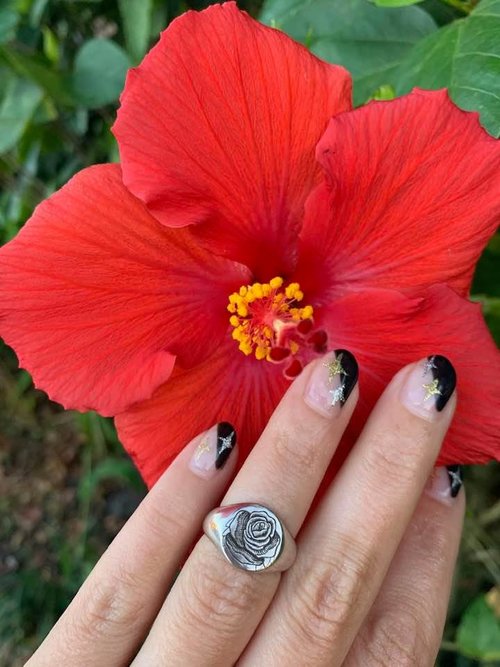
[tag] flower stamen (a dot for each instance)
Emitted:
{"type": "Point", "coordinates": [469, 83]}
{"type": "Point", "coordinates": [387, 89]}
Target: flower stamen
{"type": "Point", "coordinates": [266, 319]}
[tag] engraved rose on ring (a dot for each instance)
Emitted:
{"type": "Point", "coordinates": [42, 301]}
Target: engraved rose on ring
{"type": "Point", "coordinates": [252, 539]}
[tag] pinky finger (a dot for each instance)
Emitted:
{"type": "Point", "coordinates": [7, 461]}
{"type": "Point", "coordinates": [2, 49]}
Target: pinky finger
{"type": "Point", "coordinates": [114, 609]}
{"type": "Point", "coordinates": [405, 624]}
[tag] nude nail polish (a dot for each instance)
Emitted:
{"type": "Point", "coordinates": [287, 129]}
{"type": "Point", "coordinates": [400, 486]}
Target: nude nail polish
{"type": "Point", "coordinates": [429, 387]}
{"type": "Point", "coordinates": [332, 382]}
{"type": "Point", "coordinates": [213, 450]}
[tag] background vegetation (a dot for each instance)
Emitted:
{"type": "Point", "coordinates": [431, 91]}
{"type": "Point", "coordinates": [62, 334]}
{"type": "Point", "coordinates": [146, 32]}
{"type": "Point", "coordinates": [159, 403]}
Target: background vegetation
{"type": "Point", "coordinates": [66, 485]}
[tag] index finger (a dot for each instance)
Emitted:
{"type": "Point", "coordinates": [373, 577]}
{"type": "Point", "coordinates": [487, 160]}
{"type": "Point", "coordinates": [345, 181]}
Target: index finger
{"type": "Point", "coordinates": [113, 610]}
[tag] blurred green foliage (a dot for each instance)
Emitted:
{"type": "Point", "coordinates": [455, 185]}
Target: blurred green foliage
{"type": "Point", "coordinates": [62, 67]}
{"type": "Point", "coordinates": [389, 42]}
{"type": "Point", "coordinates": [478, 635]}
{"type": "Point", "coordinates": [369, 41]}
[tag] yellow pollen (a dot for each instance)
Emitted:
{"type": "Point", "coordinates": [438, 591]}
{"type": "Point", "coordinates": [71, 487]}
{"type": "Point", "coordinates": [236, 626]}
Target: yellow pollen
{"type": "Point", "coordinates": [261, 311]}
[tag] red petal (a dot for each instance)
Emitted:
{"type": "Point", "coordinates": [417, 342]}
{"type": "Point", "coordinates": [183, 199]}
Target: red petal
{"type": "Point", "coordinates": [219, 124]}
{"type": "Point", "coordinates": [96, 297]}
{"type": "Point", "coordinates": [413, 195]}
{"type": "Point", "coordinates": [227, 387]}
{"type": "Point", "coordinates": [387, 330]}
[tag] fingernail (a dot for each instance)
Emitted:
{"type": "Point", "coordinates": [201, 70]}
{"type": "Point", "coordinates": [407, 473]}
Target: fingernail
{"type": "Point", "coordinates": [332, 382]}
{"type": "Point", "coordinates": [445, 483]}
{"type": "Point", "coordinates": [213, 450]}
{"type": "Point", "coordinates": [456, 479]}
{"type": "Point", "coordinates": [429, 386]}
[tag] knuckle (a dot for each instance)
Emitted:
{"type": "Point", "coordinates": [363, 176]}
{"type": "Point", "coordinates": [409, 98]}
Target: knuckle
{"type": "Point", "coordinates": [326, 592]}
{"type": "Point", "coordinates": [431, 542]}
{"type": "Point", "coordinates": [296, 449]}
{"type": "Point", "coordinates": [217, 602]}
{"type": "Point", "coordinates": [395, 456]}
{"type": "Point", "coordinates": [163, 521]}
{"type": "Point", "coordinates": [111, 605]}
{"type": "Point", "coordinates": [398, 639]}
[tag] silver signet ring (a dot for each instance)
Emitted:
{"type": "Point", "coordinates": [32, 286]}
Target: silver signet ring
{"type": "Point", "coordinates": [251, 537]}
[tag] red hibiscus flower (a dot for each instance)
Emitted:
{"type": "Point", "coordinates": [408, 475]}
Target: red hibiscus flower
{"type": "Point", "coordinates": [248, 185]}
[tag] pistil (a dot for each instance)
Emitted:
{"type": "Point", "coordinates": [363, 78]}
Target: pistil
{"type": "Point", "coordinates": [270, 321]}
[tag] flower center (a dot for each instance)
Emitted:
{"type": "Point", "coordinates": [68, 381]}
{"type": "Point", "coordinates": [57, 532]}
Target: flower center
{"type": "Point", "coordinates": [270, 321]}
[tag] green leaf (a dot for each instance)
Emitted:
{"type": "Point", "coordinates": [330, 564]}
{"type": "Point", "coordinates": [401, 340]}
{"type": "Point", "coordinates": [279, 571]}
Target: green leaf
{"type": "Point", "coordinates": [36, 10]}
{"type": "Point", "coordinates": [478, 635]}
{"type": "Point", "coordinates": [369, 41]}
{"type": "Point", "coordinates": [9, 19]}
{"type": "Point", "coordinates": [99, 72]}
{"type": "Point", "coordinates": [45, 112]}
{"type": "Point", "coordinates": [32, 68]}
{"type": "Point", "coordinates": [465, 58]}
{"type": "Point", "coordinates": [395, 3]}
{"type": "Point", "coordinates": [442, 13]}
{"type": "Point", "coordinates": [383, 93]}
{"type": "Point", "coordinates": [136, 17]}
{"type": "Point", "coordinates": [429, 65]}
{"type": "Point", "coordinates": [50, 45]}
{"type": "Point", "coordinates": [19, 102]}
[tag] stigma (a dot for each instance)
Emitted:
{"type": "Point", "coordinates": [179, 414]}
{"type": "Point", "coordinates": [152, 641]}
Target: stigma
{"type": "Point", "coordinates": [271, 322]}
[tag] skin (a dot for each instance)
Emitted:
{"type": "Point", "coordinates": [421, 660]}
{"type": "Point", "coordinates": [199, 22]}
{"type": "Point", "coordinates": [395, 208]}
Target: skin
{"type": "Point", "coordinates": [369, 586]}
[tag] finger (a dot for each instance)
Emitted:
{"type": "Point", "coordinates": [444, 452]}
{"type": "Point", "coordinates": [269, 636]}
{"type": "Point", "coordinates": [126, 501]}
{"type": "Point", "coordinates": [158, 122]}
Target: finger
{"type": "Point", "coordinates": [345, 551]}
{"type": "Point", "coordinates": [116, 605]}
{"type": "Point", "coordinates": [213, 608]}
{"type": "Point", "coordinates": [405, 625]}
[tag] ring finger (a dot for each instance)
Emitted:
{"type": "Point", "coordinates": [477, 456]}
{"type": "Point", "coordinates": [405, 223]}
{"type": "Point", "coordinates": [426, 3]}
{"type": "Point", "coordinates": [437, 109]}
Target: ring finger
{"type": "Point", "coordinates": [213, 608]}
{"type": "Point", "coordinates": [405, 625]}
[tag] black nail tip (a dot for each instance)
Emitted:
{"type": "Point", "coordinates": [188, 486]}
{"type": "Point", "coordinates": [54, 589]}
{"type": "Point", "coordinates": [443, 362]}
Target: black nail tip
{"type": "Point", "coordinates": [443, 371]}
{"type": "Point", "coordinates": [455, 475]}
{"type": "Point", "coordinates": [226, 440]}
{"type": "Point", "coordinates": [350, 375]}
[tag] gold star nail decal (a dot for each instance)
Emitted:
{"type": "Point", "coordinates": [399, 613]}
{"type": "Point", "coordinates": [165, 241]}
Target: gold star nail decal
{"type": "Point", "coordinates": [431, 389]}
{"type": "Point", "coordinates": [202, 447]}
{"type": "Point", "coordinates": [335, 367]}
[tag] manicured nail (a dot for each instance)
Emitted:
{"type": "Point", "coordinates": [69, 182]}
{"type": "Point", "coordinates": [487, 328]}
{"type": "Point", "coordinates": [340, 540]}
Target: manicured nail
{"type": "Point", "coordinates": [456, 479]}
{"type": "Point", "coordinates": [445, 483]}
{"type": "Point", "coordinates": [332, 382]}
{"type": "Point", "coordinates": [429, 386]}
{"type": "Point", "coordinates": [213, 450]}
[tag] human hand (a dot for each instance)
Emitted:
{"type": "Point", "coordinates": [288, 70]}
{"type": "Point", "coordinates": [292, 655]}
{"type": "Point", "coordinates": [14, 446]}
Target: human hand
{"type": "Point", "coordinates": [372, 575]}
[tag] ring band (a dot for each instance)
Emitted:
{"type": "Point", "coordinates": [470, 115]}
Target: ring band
{"type": "Point", "coordinates": [251, 537]}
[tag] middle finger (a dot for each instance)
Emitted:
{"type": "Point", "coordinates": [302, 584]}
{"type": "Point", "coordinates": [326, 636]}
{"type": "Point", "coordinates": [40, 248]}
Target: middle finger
{"type": "Point", "coordinates": [213, 608]}
{"type": "Point", "coordinates": [347, 547]}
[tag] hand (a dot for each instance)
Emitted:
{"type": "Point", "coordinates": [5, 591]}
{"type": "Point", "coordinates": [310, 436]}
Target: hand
{"type": "Point", "coordinates": [372, 575]}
